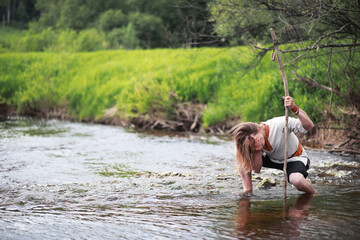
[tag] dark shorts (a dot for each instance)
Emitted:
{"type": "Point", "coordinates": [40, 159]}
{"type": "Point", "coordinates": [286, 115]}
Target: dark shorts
{"type": "Point", "coordinates": [292, 167]}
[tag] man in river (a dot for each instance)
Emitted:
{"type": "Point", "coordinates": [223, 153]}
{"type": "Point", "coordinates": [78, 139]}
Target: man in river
{"type": "Point", "coordinates": [263, 145]}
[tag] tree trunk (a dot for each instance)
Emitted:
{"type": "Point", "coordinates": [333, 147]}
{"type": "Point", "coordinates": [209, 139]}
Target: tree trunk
{"type": "Point", "coordinates": [8, 12]}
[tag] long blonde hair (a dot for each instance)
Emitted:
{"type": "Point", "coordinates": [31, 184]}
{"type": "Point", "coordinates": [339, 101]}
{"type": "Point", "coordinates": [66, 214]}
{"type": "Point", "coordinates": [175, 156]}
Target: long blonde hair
{"type": "Point", "coordinates": [243, 152]}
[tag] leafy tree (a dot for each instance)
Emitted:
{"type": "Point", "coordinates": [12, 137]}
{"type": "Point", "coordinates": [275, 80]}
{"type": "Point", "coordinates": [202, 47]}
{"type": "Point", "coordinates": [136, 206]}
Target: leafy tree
{"type": "Point", "coordinates": [19, 12]}
{"type": "Point", "coordinates": [190, 25]}
{"type": "Point", "coordinates": [295, 20]}
{"type": "Point", "coordinates": [315, 28]}
{"type": "Point", "coordinates": [125, 37]}
{"type": "Point", "coordinates": [111, 19]}
{"type": "Point", "coordinates": [79, 14]}
{"type": "Point", "coordinates": [149, 29]}
{"type": "Point", "coordinates": [160, 23]}
{"type": "Point", "coordinates": [50, 12]}
{"type": "Point", "coordinates": [5, 6]}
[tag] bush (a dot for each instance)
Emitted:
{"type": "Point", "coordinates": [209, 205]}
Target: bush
{"type": "Point", "coordinates": [125, 37]}
{"type": "Point", "coordinates": [111, 19]}
{"type": "Point", "coordinates": [35, 42]}
{"type": "Point", "coordinates": [90, 40]}
{"type": "Point", "coordinates": [148, 28]}
{"type": "Point", "coordinates": [37, 39]}
{"type": "Point", "coordinates": [214, 114]}
{"type": "Point", "coordinates": [66, 41]}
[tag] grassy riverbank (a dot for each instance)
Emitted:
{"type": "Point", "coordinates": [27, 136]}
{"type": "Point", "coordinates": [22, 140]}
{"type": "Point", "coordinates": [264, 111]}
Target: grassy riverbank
{"type": "Point", "coordinates": [153, 85]}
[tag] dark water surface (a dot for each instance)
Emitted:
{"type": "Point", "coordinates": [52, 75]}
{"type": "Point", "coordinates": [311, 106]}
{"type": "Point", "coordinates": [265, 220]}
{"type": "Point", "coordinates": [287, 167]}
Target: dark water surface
{"type": "Point", "coordinates": [63, 180]}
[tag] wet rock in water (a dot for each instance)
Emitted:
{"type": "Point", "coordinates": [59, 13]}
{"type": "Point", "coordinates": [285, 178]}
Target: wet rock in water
{"type": "Point", "coordinates": [225, 178]}
{"type": "Point", "coordinates": [112, 198]}
{"type": "Point", "coordinates": [165, 197]}
{"type": "Point", "coordinates": [167, 182]}
{"type": "Point", "coordinates": [170, 174]}
{"type": "Point", "coordinates": [266, 183]}
{"type": "Point", "coordinates": [162, 174]}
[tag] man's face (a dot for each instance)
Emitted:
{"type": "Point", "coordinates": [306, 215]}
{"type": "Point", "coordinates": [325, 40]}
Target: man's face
{"type": "Point", "coordinates": [256, 141]}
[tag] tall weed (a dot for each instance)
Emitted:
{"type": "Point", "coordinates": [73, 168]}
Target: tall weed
{"type": "Point", "coordinates": [154, 82]}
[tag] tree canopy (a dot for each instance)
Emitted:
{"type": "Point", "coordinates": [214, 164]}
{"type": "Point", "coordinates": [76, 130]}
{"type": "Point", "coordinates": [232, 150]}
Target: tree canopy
{"type": "Point", "coordinates": [295, 20]}
{"type": "Point", "coordinates": [310, 30]}
{"type": "Point", "coordinates": [160, 23]}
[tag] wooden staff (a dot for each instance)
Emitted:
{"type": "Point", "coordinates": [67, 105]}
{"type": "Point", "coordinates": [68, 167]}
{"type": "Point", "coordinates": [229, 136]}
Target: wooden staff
{"type": "Point", "coordinates": [286, 130]}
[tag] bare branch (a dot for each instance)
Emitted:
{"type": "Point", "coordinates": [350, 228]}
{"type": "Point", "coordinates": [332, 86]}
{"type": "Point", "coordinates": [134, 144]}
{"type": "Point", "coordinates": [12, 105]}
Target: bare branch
{"type": "Point", "coordinates": [318, 85]}
{"type": "Point", "coordinates": [316, 43]}
{"type": "Point", "coordinates": [329, 45]}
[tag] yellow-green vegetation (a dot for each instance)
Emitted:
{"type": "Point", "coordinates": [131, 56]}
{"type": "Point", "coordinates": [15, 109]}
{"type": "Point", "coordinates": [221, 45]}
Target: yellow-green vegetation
{"type": "Point", "coordinates": [138, 82]}
{"type": "Point", "coordinates": [36, 39]}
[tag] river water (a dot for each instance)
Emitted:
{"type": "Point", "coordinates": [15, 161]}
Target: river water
{"type": "Point", "coordinates": [65, 180]}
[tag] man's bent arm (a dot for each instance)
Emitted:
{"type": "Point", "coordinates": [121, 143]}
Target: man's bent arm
{"type": "Point", "coordinates": [305, 120]}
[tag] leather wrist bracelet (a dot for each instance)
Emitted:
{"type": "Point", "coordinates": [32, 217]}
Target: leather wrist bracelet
{"type": "Point", "coordinates": [295, 109]}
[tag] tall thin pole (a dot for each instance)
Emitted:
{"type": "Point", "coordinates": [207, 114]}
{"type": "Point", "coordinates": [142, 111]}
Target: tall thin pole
{"type": "Point", "coordinates": [286, 130]}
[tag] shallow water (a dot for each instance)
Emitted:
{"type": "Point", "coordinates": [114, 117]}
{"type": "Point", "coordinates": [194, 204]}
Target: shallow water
{"type": "Point", "coordinates": [64, 180]}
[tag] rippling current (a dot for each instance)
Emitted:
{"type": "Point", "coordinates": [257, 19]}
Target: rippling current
{"type": "Point", "coordinates": [64, 180]}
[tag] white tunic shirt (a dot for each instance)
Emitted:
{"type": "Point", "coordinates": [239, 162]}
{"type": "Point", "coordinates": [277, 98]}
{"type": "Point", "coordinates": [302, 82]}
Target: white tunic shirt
{"type": "Point", "coordinates": [275, 140]}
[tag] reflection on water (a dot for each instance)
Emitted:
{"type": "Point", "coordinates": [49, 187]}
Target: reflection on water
{"type": "Point", "coordinates": [63, 180]}
{"type": "Point", "coordinates": [265, 217]}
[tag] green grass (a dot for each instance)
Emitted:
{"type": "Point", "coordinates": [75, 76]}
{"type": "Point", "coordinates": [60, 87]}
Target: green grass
{"type": "Point", "coordinates": [36, 39]}
{"type": "Point", "coordinates": [138, 82]}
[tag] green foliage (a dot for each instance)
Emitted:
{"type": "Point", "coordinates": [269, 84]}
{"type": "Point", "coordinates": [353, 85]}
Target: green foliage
{"type": "Point", "coordinates": [66, 41]}
{"type": "Point", "coordinates": [111, 19]}
{"type": "Point", "coordinates": [147, 26]}
{"type": "Point", "coordinates": [125, 37]}
{"type": "Point", "coordinates": [90, 40]}
{"type": "Point", "coordinates": [50, 12]}
{"type": "Point", "coordinates": [160, 23]}
{"type": "Point", "coordinates": [78, 14]}
{"type": "Point", "coordinates": [153, 82]}
{"type": "Point", "coordinates": [231, 17]}
{"type": "Point", "coordinates": [38, 39]}
{"type": "Point", "coordinates": [35, 41]}
{"type": "Point", "coordinates": [29, 83]}
{"type": "Point", "coordinates": [215, 113]}
{"type": "Point", "coordinates": [154, 24]}
{"type": "Point", "coordinates": [18, 13]}
{"type": "Point", "coordinates": [295, 20]}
